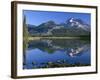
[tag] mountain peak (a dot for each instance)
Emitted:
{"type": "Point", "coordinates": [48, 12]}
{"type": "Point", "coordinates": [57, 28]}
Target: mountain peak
{"type": "Point", "coordinates": [75, 22]}
{"type": "Point", "coordinates": [71, 19]}
{"type": "Point", "coordinates": [48, 23]}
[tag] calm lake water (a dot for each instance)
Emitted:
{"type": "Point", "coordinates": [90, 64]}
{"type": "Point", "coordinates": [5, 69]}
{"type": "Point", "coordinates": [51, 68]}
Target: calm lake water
{"type": "Point", "coordinates": [57, 53]}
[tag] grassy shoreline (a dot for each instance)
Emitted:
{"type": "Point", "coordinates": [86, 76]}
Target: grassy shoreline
{"type": "Point", "coordinates": [38, 38]}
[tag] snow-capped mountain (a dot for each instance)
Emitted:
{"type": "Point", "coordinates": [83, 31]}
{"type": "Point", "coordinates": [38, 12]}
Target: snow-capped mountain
{"type": "Point", "coordinates": [69, 28]}
{"type": "Point", "coordinates": [72, 22]}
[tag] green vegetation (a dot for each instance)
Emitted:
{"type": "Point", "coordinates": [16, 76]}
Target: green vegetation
{"type": "Point", "coordinates": [61, 32]}
{"type": "Point", "coordinates": [48, 50]}
{"type": "Point", "coordinates": [70, 32]}
{"type": "Point", "coordinates": [25, 34]}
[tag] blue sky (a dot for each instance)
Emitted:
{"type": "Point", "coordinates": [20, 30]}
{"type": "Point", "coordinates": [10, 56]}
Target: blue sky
{"type": "Point", "coordinates": [38, 17]}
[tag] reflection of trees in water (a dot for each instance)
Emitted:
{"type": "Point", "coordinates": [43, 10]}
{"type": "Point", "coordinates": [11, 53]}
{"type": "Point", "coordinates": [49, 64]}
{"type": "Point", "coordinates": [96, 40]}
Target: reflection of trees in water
{"type": "Point", "coordinates": [73, 47]}
{"type": "Point", "coordinates": [70, 43]}
{"type": "Point", "coordinates": [62, 43]}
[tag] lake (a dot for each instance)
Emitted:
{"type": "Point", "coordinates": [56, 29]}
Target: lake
{"type": "Point", "coordinates": [56, 53]}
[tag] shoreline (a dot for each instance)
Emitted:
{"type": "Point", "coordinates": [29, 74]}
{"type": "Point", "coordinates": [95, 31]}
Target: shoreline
{"type": "Point", "coordinates": [38, 38]}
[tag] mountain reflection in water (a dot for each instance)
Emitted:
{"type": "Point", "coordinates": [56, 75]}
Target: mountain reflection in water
{"type": "Point", "coordinates": [57, 53]}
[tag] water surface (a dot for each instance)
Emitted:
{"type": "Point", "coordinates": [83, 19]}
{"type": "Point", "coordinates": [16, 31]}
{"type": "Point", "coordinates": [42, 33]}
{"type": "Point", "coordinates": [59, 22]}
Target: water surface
{"type": "Point", "coordinates": [52, 53]}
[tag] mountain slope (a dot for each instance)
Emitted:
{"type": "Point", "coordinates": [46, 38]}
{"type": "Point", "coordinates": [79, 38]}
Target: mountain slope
{"type": "Point", "coordinates": [72, 27]}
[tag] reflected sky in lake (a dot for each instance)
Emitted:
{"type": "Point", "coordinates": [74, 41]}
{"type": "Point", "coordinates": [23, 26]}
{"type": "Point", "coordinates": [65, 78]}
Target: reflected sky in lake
{"type": "Point", "coordinates": [57, 53]}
